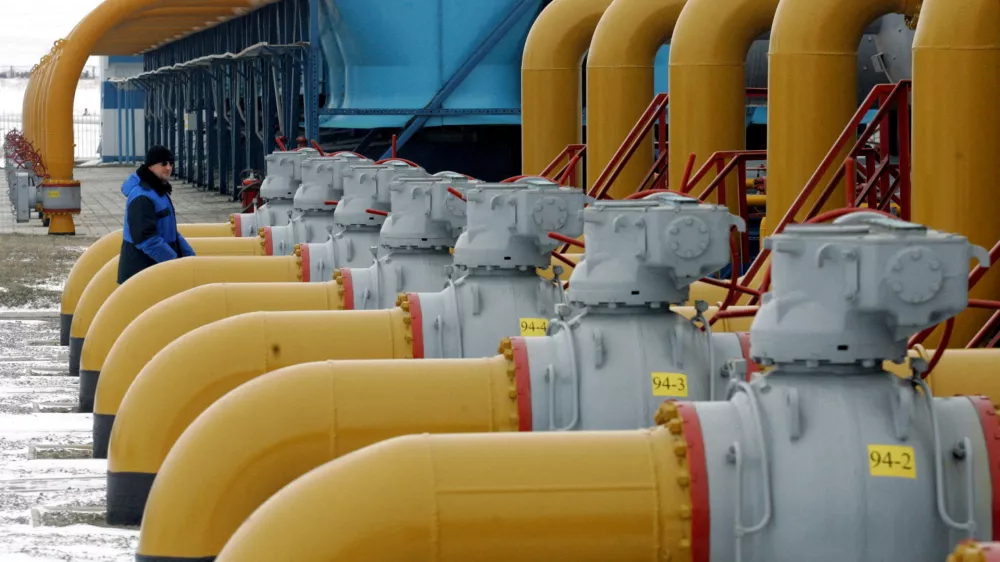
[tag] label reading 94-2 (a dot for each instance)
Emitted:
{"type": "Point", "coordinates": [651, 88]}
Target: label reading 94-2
{"type": "Point", "coordinates": [895, 461]}
{"type": "Point", "coordinates": [534, 326]}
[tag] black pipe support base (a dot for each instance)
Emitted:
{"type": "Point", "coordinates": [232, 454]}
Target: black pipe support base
{"type": "Point", "coordinates": [75, 349]}
{"type": "Point", "coordinates": [102, 434]}
{"type": "Point", "coordinates": [88, 390]}
{"type": "Point", "coordinates": [65, 322]}
{"type": "Point", "coordinates": [144, 558]}
{"type": "Point", "coordinates": [127, 495]}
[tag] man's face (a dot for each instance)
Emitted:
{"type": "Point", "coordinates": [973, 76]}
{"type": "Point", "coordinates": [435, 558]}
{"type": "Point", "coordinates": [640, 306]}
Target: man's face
{"type": "Point", "coordinates": [163, 170]}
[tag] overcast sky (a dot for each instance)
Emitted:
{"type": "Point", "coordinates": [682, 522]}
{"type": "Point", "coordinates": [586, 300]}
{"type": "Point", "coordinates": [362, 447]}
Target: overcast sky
{"type": "Point", "coordinates": [31, 26]}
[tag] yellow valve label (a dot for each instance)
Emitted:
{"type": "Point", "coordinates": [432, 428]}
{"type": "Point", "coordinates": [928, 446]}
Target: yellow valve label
{"type": "Point", "coordinates": [53, 194]}
{"type": "Point", "coordinates": [670, 384]}
{"type": "Point", "coordinates": [534, 327]}
{"type": "Point", "coordinates": [896, 461]}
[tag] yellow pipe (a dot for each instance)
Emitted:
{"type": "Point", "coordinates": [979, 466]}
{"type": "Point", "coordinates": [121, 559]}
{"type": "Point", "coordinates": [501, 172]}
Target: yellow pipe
{"type": "Point", "coordinates": [66, 72]}
{"type": "Point", "coordinates": [189, 373]}
{"type": "Point", "coordinates": [960, 372]}
{"type": "Point", "coordinates": [708, 82]}
{"type": "Point", "coordinates": [813, 89]}
{"type": "Point", "coordinates": [340, 406]}
{"type": "Point", "coordinates": [167, 279]}
{"type": "Point", "coordinates": [28, 105]}
{"type": "Point", "coordinates": [107, 247]}
{"type": "Point", "coordinates": [956, 131]}
{"type": "Point", "coordinates": [585, 497]}
{"type": "Point", "coordinates": [551, 103]}
{"type": "Point", "coordinates": [620, 83]}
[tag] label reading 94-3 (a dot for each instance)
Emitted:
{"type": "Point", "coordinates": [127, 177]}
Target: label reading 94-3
{"type": "Point", "coordinates": [670, 384]}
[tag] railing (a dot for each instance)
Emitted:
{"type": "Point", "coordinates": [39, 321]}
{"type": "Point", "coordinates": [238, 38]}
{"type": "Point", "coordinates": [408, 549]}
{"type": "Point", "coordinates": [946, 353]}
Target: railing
{"type": "Point", "coordinates": [565, 174]}
{"type": "Point", "coordinates": [86, 133]}
{"type": "Point", "coordinates": [884, 96]}
{"type": "Point", "coordinates": [656, 113]}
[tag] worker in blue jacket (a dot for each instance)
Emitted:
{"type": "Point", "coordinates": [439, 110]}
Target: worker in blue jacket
{"type": "Point", "coordinates": [150, 235]}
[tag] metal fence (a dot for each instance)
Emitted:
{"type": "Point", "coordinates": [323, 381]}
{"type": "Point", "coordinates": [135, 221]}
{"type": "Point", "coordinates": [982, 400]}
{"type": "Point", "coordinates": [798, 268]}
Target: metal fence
{"type": "Point", "coordinates": [88, 73]}
{"type": "Point", "coordinates": [86, 133]}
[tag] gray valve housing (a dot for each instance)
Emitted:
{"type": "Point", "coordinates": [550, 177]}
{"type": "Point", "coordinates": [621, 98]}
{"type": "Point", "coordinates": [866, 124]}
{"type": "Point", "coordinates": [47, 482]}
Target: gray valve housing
{"type": "Point", "coordinates": [356, 230]}
{"type": "Point", "coordinates": [899, 475]}
{"type": "Point", "coordinates": [284, 174]}
{"type": "Point", "coordinates": [498, 289]}
{"type": "Point", "coordinates": [314, 204]}
{"type": "Point", "coordinates": [855, 291]}
{"type": "Point", "coordinates": [25, 194]}
{"type": "Point", "coordinates": [613, 362]}
{"type": "Point", "coordinates": [416, 237]}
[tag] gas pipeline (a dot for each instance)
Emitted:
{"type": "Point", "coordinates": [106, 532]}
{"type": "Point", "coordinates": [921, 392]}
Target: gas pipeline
{"type": "Point", "coordinates": [641, 257]}
{"type": "Point", "coordinates": [284, 176]}
{"type": "Point", "coordinates": [427, 217]}
{"type": "Point", "coordinates": [738, 479]}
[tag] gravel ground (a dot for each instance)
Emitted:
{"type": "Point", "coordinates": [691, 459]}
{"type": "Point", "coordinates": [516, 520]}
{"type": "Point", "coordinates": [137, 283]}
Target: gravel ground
{"type": "Point", "coordinates": [33, 268]}
{"type": "Point", "coordinates": [26, 484]}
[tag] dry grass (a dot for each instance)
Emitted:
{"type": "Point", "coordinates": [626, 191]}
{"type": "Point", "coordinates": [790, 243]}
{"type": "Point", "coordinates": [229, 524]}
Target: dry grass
{"type": "Point", "coordinates": [33, 268]}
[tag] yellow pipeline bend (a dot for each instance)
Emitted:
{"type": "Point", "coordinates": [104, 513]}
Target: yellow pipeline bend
{"type": "Point", "coordinates": [239, 453]}
{"type": "Point", "coordinates": [708, 81]}
{"type": "Point", "coordinates": [105, 282]}
{"type": "Point", "coordinates": [189, 374]}
{"type": "Point", "coordinates": [167, 279]}
{"type": "Point", "coordinates": [581, 496]}
{"type": "Point", "coordinates": [551, 103]}
{"type": "Point", "coordinates": [956, 131]}
{"type": "Point", "coordinates": [79, 45]}
{"type": "Point", "coordinates": [620, 83]}
{"type": "Point", "coordinates": [167, 321]}
{"type": "Point", "coordinates": [813, 88]}
{"type": "Point", "coordinates": [108, 246]}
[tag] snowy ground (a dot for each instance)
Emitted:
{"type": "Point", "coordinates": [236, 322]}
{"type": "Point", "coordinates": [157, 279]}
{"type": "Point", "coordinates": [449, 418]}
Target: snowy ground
{"type": "Point", "coordinates": [34, 397]}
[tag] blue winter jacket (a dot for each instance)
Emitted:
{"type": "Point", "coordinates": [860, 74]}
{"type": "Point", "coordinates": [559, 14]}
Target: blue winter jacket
{"type": "Point", "coordinates": [150, 234]}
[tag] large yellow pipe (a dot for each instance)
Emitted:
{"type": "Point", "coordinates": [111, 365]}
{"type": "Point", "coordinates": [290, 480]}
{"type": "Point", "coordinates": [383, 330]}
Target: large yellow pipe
{"type": "Point", "coordinates": [339, 407]}
{"type": "Point", "coordinates": [28, 104]}
{"type": "Point", "coordinates": [585, 497]}
{"type": "Point", "coordinates": [165, 280]}
{"type": "Point", "coordinates": [551, 103]}
{"type": "Point", "coordinates": [101, 252]}
{"type": "Point", "coordinates": [189, 373]}
{"type": "Point", "coordinates": [708, 54]}
{"type": "Point", "coordinates": [813, 89]}
{"type": "Point", "coordinates": [620, 83]}
{"type": "Point", "coordinates": [956, 130]}
{"type": "Point", "coordinates": [66, 72]}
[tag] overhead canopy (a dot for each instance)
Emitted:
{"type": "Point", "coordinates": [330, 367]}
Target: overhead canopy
{"type": "Point", "coordinates": [165, 22]}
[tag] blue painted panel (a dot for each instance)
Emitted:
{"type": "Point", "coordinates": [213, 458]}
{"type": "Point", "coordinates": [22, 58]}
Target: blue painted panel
{"type": "Point", "coordinates": [118, 59]}
{"type": "Point", "coordinates": [661, 74]}
{"type": "Point", "coordinates": [397, 55]}
{"type": "Point", "coordinates": [109, 97]}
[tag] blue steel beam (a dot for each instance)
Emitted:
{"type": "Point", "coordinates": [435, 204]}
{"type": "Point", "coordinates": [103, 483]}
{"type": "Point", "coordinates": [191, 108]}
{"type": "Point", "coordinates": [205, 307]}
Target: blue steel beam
{"type": "Point", "coordinates": [311, 70]}
{"type": "Point", "coordinates": [462, 72]}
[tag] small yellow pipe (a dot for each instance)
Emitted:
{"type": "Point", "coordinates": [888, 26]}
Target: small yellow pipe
{"type": "Point", "coordinates": [189, 373]}
{"type": "Point", "coordinates": [238, 453]}
{"type": "Point", "coordinates": [167, 279]}
{"type": "Point", "coordinates": [708, 54]}
{"type": "Point", "coordinates": [107, 247]}
{"type": "Point", "coordinates": [620, 83]}
{"type": "Point", "coordinates": [585, 497]}
{"type": "Point", "coordinates": [956, 131]}
{"type": "Point", "coordinates": [551, 103]}
{"type": "Point", "coordinates": [105, 281]}
{"type": "Point", "coordinates": [813, 89]}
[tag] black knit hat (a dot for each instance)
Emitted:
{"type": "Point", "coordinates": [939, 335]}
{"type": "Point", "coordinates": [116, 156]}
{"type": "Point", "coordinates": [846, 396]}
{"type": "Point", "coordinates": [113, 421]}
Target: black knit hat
{"type": "Point", "coordinates": [158, 155]}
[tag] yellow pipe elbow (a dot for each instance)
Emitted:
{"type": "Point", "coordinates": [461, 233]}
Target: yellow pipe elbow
{"type": "Point", "coordinates": [813, 89]}
{"type": "Point", "coordinates": [235, 456]}
{"type": "Point", "coordinates": [105, 281]}
{"type": "Point", "coordinates": [708, 82]}
{"type": "Point", "coordinates": [620, 83]}
{"type": "Point", "coordinates": [960, 372]}
{"type": "Point", "coordinates": [167, 279]}
{"type": "Point", "coordinates": [101, 252]}
{"type": "Point", "coordinates": [956, 132]}
{"type": "Point", "coordinates": [581, 496]}
{"type": "Point", "coordinates": [189, 374]}
{"type": "Point", "coordinates": [551, 103]}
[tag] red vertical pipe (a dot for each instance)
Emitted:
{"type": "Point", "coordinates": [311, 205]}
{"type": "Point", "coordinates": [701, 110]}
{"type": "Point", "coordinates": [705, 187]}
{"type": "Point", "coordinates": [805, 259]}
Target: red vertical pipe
{"type": "Point", "coordinates": [851, 185]}
{"type": "Point", "coordinates": [903, 128]}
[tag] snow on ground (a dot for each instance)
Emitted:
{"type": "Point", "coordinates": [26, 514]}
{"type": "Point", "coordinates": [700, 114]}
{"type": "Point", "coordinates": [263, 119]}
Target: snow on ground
{"type": "Point", "coordinates": [27, 346]}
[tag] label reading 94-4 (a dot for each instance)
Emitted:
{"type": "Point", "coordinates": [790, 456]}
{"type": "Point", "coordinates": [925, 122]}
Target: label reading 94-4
{"type": "Point", "coordinates": [895, 461]}
{"type": "Point", "coordinates": [534, 326]}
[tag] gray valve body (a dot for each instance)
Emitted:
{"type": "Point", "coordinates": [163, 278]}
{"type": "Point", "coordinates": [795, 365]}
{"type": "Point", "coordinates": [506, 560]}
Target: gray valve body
{"type": "Point", "coordinates": [828, 428]}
